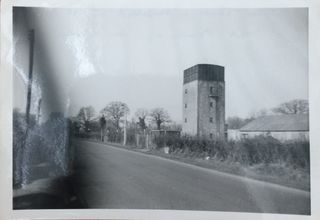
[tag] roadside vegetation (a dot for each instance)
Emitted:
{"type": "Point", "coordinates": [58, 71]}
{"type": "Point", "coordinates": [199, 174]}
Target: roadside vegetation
{"type": "Point", "coordinates": [258, 150]}
{"type": "Point", "coordinates": [261, 157]}
{"type": "Point", "coordinates": [44, 151]}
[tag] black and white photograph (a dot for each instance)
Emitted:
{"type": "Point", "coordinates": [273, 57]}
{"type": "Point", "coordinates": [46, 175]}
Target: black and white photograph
{"type": "Point", "coordinates": [200, 109]}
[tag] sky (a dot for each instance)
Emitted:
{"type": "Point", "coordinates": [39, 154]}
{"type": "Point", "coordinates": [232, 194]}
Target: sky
{"type": "Point", "coordinates": [137, 56]}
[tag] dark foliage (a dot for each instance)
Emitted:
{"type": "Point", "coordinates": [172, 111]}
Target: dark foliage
{"type": "Point", "coordinates": [259, 150]}
{"type": "Point", "coordinates": [45, 143]}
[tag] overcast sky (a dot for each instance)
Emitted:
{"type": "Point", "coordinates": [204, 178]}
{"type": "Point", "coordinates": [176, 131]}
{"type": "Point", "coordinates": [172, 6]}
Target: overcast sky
{"type": "Point", "coordinates": [138, 56]}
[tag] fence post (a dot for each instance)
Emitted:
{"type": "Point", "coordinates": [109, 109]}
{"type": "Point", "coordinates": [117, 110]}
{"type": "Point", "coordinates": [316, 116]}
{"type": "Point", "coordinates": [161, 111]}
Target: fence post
{"type": "Point", "coordinates": [137, 140]}
{"type": "Point", "coordinates": [147, 141]}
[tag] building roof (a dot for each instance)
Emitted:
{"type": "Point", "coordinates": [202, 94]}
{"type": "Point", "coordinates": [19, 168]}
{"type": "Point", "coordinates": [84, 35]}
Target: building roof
{"type": "Point", "coordinates": [206, 72]}
{"type": "Point", "coordinates": [290, 122]}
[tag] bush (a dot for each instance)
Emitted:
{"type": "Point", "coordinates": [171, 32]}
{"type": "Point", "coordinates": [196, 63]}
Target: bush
{"type": "Point", "coordinates": [261, 149]}
{"type": "Point", "coordinates": [258, 150]}
{"type": "Point", "coordinates": [45, 143]}
{"type": "Point", "coordinates": [298, 154]}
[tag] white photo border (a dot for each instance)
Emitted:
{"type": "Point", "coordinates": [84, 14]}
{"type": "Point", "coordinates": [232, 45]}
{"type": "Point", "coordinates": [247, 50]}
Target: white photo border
{"type": "Point", "coordinates": [6, 90]}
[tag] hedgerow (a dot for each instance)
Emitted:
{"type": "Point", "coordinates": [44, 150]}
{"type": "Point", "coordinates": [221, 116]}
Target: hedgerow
{"type": "Point", "coordinates": [250, 151]}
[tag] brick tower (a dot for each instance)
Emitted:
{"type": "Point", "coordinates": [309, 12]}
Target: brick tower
{"type": "Point", "coordinates": [204, 101]}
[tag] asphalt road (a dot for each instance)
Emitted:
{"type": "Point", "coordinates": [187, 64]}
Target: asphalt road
{"type": "Point", "coordinates": [115, 178]}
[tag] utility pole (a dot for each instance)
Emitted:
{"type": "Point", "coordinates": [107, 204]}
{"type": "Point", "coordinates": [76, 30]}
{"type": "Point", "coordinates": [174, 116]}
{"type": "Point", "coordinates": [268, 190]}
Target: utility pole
{"type": "Point", "coordinates": [125, 130]}
{"type": "Point", "coordinates": [39, 111]}
{"type": "Point", "coordinates": [24, 166]}
{"type": "Point", "coordinates": [31, 40]}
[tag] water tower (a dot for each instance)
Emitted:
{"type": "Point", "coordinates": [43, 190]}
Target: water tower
{"type": "Point", "coordinates": [204, 101]}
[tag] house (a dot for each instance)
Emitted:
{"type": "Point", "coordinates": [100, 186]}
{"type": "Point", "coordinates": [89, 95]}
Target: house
{"type": "Point", "coordinates": [281, 127]}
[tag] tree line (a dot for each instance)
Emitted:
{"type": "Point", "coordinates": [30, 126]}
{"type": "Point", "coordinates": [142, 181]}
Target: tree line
{"type": "Point", "coordinates": [116, 112]}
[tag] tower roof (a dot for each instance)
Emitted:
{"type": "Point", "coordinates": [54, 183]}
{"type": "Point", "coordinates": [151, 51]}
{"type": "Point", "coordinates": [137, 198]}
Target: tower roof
{"type": "Point", "coordinates": [205, 72]}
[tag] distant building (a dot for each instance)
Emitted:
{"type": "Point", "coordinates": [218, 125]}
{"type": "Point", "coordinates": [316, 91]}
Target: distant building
{"type": "Point", "coordinates": [281, 127]}
{"type": "Point", "coordinates": [204, 101]}
{"type": "Point", "coordinates": [233, 135]}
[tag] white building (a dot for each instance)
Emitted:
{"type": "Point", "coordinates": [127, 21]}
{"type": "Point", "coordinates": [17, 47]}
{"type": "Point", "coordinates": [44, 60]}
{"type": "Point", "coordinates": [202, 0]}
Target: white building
{"type": "Point", "coordinates": [281, 127]}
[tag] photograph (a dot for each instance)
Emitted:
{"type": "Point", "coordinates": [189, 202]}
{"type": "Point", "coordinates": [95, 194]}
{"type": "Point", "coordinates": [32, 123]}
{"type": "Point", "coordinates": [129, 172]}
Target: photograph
{"type": "Point", "coordinates": [199, 109]}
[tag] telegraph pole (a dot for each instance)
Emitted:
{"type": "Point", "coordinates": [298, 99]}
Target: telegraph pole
{"type": "Point", "coordinates": [39, 111]}
{"type": "Point", "coordinates": [24, 168]}
{"type": "Point", "coordinates": [125, 130]}
{"type": "Point", "coordinates": [31, 48]}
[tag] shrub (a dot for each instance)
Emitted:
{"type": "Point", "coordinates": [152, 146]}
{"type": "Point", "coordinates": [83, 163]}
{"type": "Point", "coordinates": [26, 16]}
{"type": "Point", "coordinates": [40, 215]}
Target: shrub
{"type": "Point", "coordinates": [298, 154]}
{"type": "Point", "coordinates": [45, 143]}
{"type": "Point", "coordinates": [258, 150]}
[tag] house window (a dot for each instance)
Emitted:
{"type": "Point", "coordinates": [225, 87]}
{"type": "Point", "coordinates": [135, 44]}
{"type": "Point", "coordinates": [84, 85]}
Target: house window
{"type": "Point", "coordinates": [211, 89]}
{"type": "Point", "coordinates": [185, 105]}
{"type": "Point", "coordinates": [211, 120]}
{"type": "Point", "coordinates": [185, 120]}
{"type": "Point", "coordinates": [211, 104]}
{"type": "Point", "coordinates": [185, 91]}
{"type": "Point", "coordinates": [211, 135]}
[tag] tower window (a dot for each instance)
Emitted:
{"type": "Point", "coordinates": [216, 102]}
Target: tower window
{"type": "Point", "coordinates": [185, 120]}
{"type": "Point", "coordinates": [185, 105]}
{"type": "Point", "coordinates": [211, 120]}
{"type": "Point", "coordinates": [185, 91]}
{"type": "Point", "coordinates": [211, 104]}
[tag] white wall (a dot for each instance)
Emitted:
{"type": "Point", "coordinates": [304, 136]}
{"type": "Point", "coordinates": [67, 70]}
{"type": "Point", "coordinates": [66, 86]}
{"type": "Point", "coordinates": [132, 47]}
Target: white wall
{"type": "Point", "coordinates": [281, 136]}
{"type": "Point", "coordinates": [234, 135]}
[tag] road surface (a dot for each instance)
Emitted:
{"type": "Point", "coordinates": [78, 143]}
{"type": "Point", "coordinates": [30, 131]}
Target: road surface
{"type": "Point", "coordinates": [116, 178]}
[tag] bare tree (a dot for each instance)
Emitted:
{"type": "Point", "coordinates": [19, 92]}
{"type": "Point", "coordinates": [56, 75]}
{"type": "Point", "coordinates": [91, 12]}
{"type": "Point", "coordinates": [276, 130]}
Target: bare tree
{"type": "Point", "coordinates": [159, 116]}
{"type": "Point", "coordinates": [86, 115]}
{"type": "Point", "coordinates": [296, 106]}
{"type": "Point", "coordinates": [258, 114]}
{"type": "Point", "coordinates": [115, 111]}
{"type": "Point", "coordinates": [142, 115]}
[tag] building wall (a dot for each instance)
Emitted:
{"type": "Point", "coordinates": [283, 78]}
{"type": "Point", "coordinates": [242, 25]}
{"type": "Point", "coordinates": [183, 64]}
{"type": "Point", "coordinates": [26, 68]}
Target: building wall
{"type": "Point", "coordinates": [281, 136]}
{"type": "Point", "coordinates": [191, 111]}
{"type": "Point", "coordinates": [211, 116]}
{"type": "Point", "coordinates": [234, 135]}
